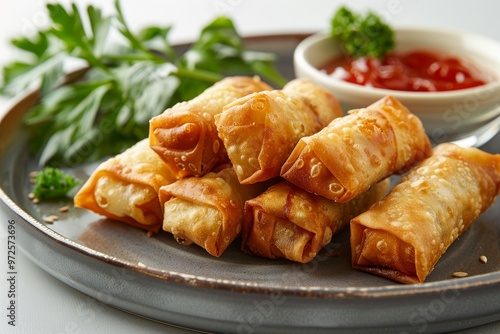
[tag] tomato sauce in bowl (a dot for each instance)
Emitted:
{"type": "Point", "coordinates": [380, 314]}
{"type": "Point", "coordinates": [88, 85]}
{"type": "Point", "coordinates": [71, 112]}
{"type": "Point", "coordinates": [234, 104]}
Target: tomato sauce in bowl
{"type": "Point", "coordinates": [440, 97]}
{"type": "Point", "coordinates": [417, 71]}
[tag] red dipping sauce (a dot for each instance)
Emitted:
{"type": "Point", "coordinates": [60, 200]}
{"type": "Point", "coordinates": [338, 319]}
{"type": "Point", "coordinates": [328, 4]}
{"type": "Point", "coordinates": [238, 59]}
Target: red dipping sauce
{"type": "Point", "coordinates": [417, 71]}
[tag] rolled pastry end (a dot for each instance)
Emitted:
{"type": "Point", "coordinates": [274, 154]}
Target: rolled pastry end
{"type": "Point", "coordinates": [124, 187]}
{"type": "Point", "coordinates": [178, 138]}
{"type": "Point", "coordinates": [381, 253]}
{"type": "Point", "coordinates": [190, 222]}
{"type": "Point", "coordinates": [180, 141]}
{"type": "Point", "coordinates": [283, 238]}
{"type": "Point", "coordinates": [134, 204]}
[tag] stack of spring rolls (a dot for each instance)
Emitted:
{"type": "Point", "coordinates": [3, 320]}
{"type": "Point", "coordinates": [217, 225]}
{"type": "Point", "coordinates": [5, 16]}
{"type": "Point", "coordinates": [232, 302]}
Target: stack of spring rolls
{"type": "Point", "coordinates": [285, 170]}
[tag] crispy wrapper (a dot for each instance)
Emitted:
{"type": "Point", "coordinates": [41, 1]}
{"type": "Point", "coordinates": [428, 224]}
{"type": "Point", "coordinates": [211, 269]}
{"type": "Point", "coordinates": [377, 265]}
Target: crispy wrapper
{"type": "Point", "coordinates": [125, 187]}
{"type": "Point", "coordinates": [403, 236]}
{"type": "Point", "coordinates": [289, 222]}
{"type": "Point", "coordinates": [260, 130]}
{"type": "Point", "coordinates": [356, 151]}
{"type": "Point", "coordinates": [185, 135]}
{"type": "Point", "coordinates": [207, 210]}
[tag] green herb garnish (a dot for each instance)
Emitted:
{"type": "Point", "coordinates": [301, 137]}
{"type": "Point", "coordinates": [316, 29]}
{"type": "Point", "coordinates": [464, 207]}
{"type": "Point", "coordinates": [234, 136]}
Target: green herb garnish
{"type": "Point", "coordinates": [52, 183]}
{"type": "Point", "coordinates": [110, 107]}
{"type": "Point", "coordinates": [362, 36]}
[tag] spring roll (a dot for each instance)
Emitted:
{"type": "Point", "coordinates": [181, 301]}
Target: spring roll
{"type": "Point", "coordinates": [289, 222]}
{"type": "Point", "coordinates": [356, 151]}
{"type": "Point", "coordinates": [207, 210]}
{"type": "Point", "coordinates": [185, 135]}
{"type": "Point", "coordinates": [260, 130]}
{"type": "Point", "coordinates": [125, 187]}
{"type": "Point", "coordinates": [403, 236]}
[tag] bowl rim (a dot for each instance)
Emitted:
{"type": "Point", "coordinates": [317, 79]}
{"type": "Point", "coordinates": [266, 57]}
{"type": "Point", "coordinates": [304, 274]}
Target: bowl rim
{"type": "Point", "coordinates": [301, 61]}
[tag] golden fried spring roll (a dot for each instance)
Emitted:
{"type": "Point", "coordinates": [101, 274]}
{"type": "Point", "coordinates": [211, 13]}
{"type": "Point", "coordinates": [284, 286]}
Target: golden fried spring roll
{"type": "Point", "coordinates": [289, 222]}
{"type": "Point", "coordinates": [403, 236]}
{"type": "Point", "coordinates": [260, 130]}
{"type": "Point", "coordinates": [206, 210]}
{"type": "Point", "coordinates": [125, 187]}
{"type": "Point", "coordinates": [356, 151]}
{"type": "Point", "coordinates": [185, 135]}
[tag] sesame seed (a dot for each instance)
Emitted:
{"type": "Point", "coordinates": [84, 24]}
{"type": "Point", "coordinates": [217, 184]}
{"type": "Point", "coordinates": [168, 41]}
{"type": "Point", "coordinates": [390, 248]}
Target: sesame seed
{"type": "Point", "coordinates": [483, 259]}
{"type": "Point", "coordinates": [216, 146]}
{"type": "Point", "coordinates": [150, 234]}
{"type": "Point", "coordinates": [299, 163]}
{"type": "Point", "coordinates": [49, 219]}
{"type": "Point", "coordinates": [460, 274]}
{"type": "Point", "coordinates": [315, 170]}
{"type": "Point", "coordinates": [36, 200]}
{"type": "Point", "coordinates": [64, 208]}
{"type": "Point", "coordinates": [31, 196]}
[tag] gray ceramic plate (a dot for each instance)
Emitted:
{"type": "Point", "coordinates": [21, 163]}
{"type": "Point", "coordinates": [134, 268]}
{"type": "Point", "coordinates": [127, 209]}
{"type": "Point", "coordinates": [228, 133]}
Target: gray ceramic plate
{"type": "Point", "coordinates": [159, 279]}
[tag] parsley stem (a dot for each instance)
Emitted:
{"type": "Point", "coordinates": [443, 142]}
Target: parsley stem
{"type": "Point", "coordinates": [198, 75]}
{"type": "Point", "coordinates": [95, 62]}
{"type": "Point", "coordinates": [134, 41]}
{"type": "Point", "coordinates": [127, 57]}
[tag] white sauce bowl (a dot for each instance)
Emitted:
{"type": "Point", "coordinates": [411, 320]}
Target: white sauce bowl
{"type": "Point", "coordinates": [467, 116]}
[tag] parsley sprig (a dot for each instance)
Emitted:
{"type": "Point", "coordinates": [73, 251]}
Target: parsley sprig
{"type": "Point", "coordinates": [126, 83]}
{"type": "Point", "coordinates": [361, 36]}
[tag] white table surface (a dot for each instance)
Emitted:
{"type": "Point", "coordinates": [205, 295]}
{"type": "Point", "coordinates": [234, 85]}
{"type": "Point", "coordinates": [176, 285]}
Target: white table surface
{"type": "Point", "coordinates": [46, 305]}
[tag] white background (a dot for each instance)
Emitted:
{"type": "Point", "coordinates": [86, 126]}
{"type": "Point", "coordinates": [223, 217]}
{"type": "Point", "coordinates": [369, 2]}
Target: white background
{"type": "Point", "coordinates": [46, 305]}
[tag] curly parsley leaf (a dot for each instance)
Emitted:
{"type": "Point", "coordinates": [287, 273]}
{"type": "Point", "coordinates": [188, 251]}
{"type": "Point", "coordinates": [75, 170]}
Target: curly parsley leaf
{"type": "Point", "coordinates": [53, 183]}
{"type": "Point", "coordinates": [362, 36]}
